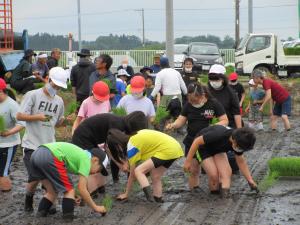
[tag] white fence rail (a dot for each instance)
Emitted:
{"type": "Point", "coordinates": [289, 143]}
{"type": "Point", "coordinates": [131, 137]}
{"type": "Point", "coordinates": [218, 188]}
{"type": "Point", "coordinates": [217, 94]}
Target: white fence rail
{"type": "Point", "coordinates": [137, 58]}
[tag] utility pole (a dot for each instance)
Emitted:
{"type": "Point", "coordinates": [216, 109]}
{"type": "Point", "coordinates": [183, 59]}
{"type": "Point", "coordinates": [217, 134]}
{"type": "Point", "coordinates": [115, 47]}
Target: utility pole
{"type": "Point", "coordinates": [299, 18]}
{"type": "Point", "coordinates": [79, 24]}
{"type": "Point", "coordinates": [237, 22]}
{"type": "Point", "coordinates": [250, 16]}
{"type": "Point", "coordinates": [143, 25]}
{"type": "Point", "coordinates": [170, 32]}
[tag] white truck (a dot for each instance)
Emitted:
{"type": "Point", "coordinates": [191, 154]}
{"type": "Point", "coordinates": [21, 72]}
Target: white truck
{"type": "Point", "coordinates": [265, 52]}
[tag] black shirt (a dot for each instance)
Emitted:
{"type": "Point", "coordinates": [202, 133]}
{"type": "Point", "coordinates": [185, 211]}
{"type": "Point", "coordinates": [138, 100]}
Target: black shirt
{"type": "Point", "coordinates": [199, 118]}
{"type": "Point", "coordinates": [52, 62]}
{"type": "Point", "coordinates": [128, 69]}
{"type": "Point", "coordinates": [93, 130]}
{"type": "Point", "coordinates": [238, 89]}
{"type": "Point", "coordinates": [21, 71]}
{"type": "Point", "coordinates": [217, 138]}
{"type": "Point", "coordinates": [230, 102]}
{"type": "Point", "coordinates": [189, 78]}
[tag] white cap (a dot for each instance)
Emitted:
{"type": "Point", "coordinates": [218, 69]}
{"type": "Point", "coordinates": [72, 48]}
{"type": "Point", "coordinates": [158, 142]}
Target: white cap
{"type": "Point", "coordinates": [58, 76]}
{"type": "Point", "coordinates": [122, 72]}
{"type": "Point", "coordinates": [217, 69]}
{"type": "Point", "coordinates": [251, 82]}
{"type": "Point", "coordinates": [42, 56]}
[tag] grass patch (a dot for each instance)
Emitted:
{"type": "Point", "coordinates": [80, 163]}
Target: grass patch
{"type": "Point", "coordinates": [229, 70]}
{"type": "Point", "coordinates": [280, 167]}
{"type": "Point", "coordinates": [161, 114]}
{"type": "Point", "coordinates": [165, 182]}
{"type": "Point", "coordinates": [203, 79]}
{"type": "Point", "coordinates": [71, 108]}
{"type": "Point", "coordinates": [107, 202]}
{"type": "Point", "coordinates": [119, 111]}
{"type": "Point", "coordinates": [2, 124]}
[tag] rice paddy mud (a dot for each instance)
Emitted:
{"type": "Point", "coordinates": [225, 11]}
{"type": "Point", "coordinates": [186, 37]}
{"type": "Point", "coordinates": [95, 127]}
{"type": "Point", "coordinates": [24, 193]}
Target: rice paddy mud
{"type": "Point", "coordinates": [278, 205]}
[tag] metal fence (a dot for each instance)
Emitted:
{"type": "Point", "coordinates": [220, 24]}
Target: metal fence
{"type": "Point", "coordinates": [137, 58]}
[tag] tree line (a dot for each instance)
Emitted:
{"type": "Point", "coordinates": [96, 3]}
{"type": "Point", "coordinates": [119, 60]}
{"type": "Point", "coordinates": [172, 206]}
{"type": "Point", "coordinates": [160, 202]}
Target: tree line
{"type": "Point", "coordinates": [45, 41]}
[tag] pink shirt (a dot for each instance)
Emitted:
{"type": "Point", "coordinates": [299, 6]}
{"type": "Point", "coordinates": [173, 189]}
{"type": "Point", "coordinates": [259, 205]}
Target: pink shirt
{"type": "Point", "coordinates": [90, 108]}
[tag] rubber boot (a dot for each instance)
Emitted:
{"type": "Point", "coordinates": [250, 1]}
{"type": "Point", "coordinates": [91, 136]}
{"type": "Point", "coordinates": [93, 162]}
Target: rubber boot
{"type": "Point", "coordinates": [101, 190]}
{"type": "Point", "coordinates": [68, 209]}
{"type": "Point", "coordinates": [28, 202]}
{"type": "Point", "coordinates": [147, 191]}
{"type": "Point", "coordinates": [44, 206]}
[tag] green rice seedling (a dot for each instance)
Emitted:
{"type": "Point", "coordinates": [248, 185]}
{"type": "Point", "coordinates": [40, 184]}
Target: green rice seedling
{"type": "Point", "coordinates": [120, 111]}
{"type": "Point", "coordinates": [268, 181]}
{"type": "Point", "coordinates": [71, 108]}
{"type": "Point", "coordinates": [229, 70]}
{"type": "Point", "coordinates": [203, 79]}
{"type": "Point", "coordinates": [214, 120]}
{"type": "Point", "coordinates": [288, 166]}
{"type": "Point", "coordinates": [161, 114]}
{"type": "Point", "coordinates": [107, 202]}
{"type": "Point", "coordinates": [136, 187]}
{"type": "Point", "coordinates": [2, 124]}
{"type": "Point", "coordinates": [165, 183]}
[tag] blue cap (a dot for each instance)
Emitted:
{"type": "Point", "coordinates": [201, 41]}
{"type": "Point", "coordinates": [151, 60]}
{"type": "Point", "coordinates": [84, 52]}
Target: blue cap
{"type": "Point", "coordinates": [164, 61]}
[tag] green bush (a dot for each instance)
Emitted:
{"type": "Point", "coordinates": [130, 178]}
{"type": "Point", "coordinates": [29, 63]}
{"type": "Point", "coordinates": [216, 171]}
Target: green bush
{"type": "Point", "coordinates": [120, 111]}
{"type": "Point", "coordinates": [229, 70]}
{"type": "Point", "coordinates": [71, 108]}
{"type": "Point", "coordinates": [161, 114]}
{"type": "Point", "coordinates": [292, 51]}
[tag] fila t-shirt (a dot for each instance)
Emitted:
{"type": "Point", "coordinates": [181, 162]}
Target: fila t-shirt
{"type": "Point", "coordinates": [41, 132]}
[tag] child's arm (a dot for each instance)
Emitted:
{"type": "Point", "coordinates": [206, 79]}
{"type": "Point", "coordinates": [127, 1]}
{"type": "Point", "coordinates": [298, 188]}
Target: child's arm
{"type": "Point", "coordinates": [76, 123]}
{"type": "Point", "coordinates": [130, 181]}
{"type": "Point", "coordinates": [179, 122]}
{"type": "Point", "coordinates": [188, 162]}
{"type": "Point", "coordinates": [266, 99]}
{"type": "Point", "coordinates": [82, 188]}
{"type": "Point", "coordinates": [243, 166]}
{"type": "Point", "coordinates": [248, 107]}
{"type": "Point", "coordinates": [30, 118]}
{"type": "Point", "coordinates": [12, 131]}
{"type": "Point", "coordinates": [223, 120]}
{"type": "Point", "coordinates": [242, 99]}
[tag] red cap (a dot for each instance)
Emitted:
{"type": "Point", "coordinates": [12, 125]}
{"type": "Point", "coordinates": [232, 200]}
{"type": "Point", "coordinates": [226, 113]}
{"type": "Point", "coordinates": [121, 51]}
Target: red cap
{"type": "Point", "coordinates": [101, 91]}
{"type": "Point", "coordinates": [2, 84]}
{"type": "Point", "coordinates": [137, 84]}
{"type": "Point", "coordinates": [233, 76]}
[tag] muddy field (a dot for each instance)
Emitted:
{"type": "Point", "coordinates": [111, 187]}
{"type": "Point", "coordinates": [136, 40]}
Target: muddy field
{"type": "Point", "coordinates": [279, 205]}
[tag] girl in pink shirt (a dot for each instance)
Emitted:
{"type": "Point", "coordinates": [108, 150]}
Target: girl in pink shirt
{"type": "Point", "coordinates": [96, 104]}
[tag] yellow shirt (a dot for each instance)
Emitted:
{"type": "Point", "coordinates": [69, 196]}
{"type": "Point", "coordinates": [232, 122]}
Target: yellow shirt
{"type": "Point", "coordinates": [150, 143]}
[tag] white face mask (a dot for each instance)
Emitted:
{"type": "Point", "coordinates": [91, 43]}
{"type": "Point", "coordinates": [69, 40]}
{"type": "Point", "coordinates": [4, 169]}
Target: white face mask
{"type": "Point", "coordinates": [216, 84]}
{"type": "Point", "coordinates": [137, 95]}
{"type": "Point", "coordinates": [51, 91]}
{"type": "Point", "coordinates": [234, 83]}
{"type": "Point", "coordinates": [124, 66]}
{"type": "Point", "coordinates": [189, 70]}
{"type": "Point", "coordinates": [199, 105]}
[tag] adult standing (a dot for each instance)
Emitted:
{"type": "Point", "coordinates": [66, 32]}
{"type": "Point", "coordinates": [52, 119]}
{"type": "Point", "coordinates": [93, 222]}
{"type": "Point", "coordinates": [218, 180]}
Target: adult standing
{"type": "Point", "coordinates": [170, 82]}
{"type": "Point", "coordinates": [21, 80]}
{"type": "Point", "coordinates": [156, 66]}
{"type": "Point", "coordinates": [54, 58]}
{"type": "Point", "coordinates": [281, 97]}
{"type": "Point", "coordinates": [80, 76]}
{"type": "Point", "coordinates": [125, 66]}
{"type": "Point", "coordinates": [103, 64]}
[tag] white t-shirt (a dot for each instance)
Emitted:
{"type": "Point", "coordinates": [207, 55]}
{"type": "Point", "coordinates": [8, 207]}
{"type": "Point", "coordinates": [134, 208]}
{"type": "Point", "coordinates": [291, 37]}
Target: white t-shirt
{"type": "Point", "coordinates": [41, 132]}
{"type": "Point", "coordinates": [170, 82]}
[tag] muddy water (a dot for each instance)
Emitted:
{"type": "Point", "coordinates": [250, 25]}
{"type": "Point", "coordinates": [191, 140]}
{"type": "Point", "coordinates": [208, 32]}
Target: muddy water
{"type": "Point", "coordinates": [279, 205]}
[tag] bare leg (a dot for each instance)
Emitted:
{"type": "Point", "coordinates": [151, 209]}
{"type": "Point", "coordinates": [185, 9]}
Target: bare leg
{"type": "Point", "coordinates": [156, 175]}
{"type": "Point", "coordinates": [274, 122]}
{"type": "Point", "coordinates": [142, 170]}
{"type": "Point", "coordinates": [194, 179]}
{"type": "Point", "coordinates": [286, 122]}
{"type": "Point", "coordinates": [224, 169]}
{"type": "Point", "coordinates": [212, 173]}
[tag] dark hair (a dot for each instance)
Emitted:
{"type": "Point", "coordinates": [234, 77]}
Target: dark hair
{"type": "Point", "coordinates": [117, 143]}
{"type": "Point", "coordinates": [198, 90]}
{"type": "Point", "coordinates": [106, 59]}
{"type": "Point", "coordinates": [244, 137]}
{"type": "Point", "coordinates": [214, 76]}
{"type": "Point", "coordinates": [188, 60]}
{"type": "Point", "coordinates": [135, 121]}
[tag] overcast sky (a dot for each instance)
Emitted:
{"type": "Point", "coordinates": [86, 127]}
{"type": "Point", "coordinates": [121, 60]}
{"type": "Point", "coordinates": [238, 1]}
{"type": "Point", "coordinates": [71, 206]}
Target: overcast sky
{"type": "Point", "coordinates": [102, 17]}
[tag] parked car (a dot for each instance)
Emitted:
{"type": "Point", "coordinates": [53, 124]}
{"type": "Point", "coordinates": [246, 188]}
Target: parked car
{"type": "Point", "coordinates": [179, 55]}
{"type": "Point", "coordinates": [265, 52]}
{"type": "Point", "coordinates": [205, 55]}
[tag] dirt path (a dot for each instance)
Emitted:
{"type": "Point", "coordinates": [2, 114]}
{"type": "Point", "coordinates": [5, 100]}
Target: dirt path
{"type": "Point", "coordinates": [280, 205]}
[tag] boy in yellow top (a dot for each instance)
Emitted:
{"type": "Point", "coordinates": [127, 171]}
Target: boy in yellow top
{"type": "Point", "coordinates": [155, 150]}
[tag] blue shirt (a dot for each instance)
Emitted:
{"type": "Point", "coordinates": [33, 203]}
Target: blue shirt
{"type": "Point", "coordinates": [257, 94]}
{"type": "Point", "coordinates": [121, 88]}
{"type": "Point", "coordinates": [41, 68]}
{"type": "Point", "coordinates": [155, 68]}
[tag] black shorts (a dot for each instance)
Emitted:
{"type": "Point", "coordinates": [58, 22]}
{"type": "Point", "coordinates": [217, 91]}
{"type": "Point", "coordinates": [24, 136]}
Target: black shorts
{"type": "Point", "coordinates": [160, 162]}
{"type": "Point", "coordinates": [26, 159]}
{"type": "Point", "coordinates": [206, 153]}
{"type": "Point", "coordinates": [6, 157]}
{"type": "Point", "coordinates": [43, 165]}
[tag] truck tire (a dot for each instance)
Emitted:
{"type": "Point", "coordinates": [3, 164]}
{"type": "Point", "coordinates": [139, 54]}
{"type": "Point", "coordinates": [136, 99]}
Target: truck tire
{"type": "Point", "coordinates": [263, 69]}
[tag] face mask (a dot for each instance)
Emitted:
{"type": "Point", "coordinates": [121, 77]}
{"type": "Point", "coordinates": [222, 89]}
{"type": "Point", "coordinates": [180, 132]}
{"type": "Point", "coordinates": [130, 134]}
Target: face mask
{"type": "Point", "coordinates": [124, 66]}
{"type": "Point", "coordinates": [234, 83]}
{"type": "Point", "coordinates": [198, 105]}
{"type": "Point", "coordinates": [189, 70]}
{"type": "Point", "coordinates": [237, 149]}
{"type": "Point", "coordinates": [216, 84]}
{"type": "Point", "coordinates": [137, 95]}
{"type": "Point", "coordinates": [51, 91]}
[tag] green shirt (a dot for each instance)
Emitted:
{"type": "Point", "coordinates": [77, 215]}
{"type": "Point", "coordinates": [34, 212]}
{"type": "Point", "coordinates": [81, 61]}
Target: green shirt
{"type": "Point", "coordinates": [77, 160]}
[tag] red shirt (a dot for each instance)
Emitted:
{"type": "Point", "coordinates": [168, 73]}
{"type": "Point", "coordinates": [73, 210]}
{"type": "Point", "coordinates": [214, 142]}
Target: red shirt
{"type": "Point", "coordinates": [279, 94]}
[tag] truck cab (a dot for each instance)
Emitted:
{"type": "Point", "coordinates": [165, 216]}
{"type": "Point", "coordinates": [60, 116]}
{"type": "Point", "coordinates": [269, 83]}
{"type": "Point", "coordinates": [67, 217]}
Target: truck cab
{"type": "Point", "coordinates": [264, 52]}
